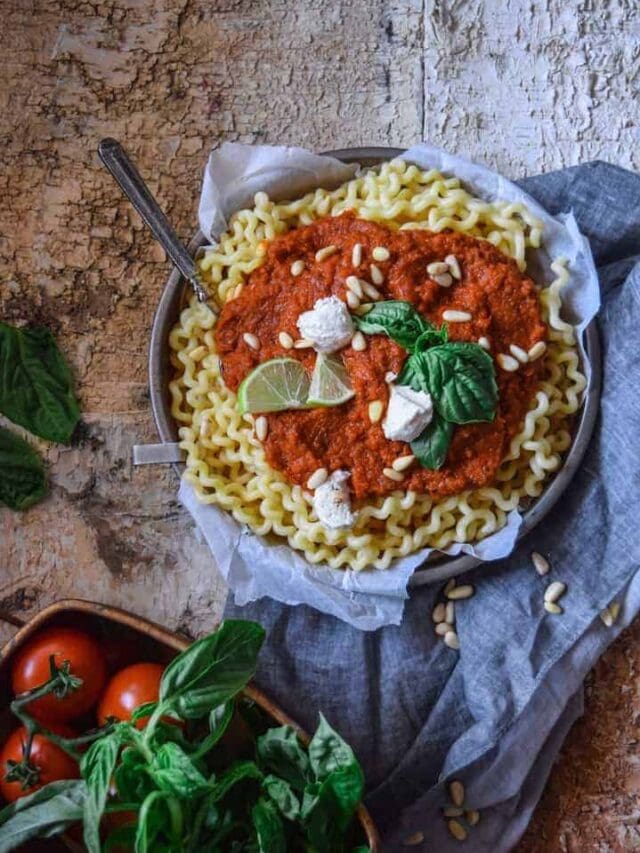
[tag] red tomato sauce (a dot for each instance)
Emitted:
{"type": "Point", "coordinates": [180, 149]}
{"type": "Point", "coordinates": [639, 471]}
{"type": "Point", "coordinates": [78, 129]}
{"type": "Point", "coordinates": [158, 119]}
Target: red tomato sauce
{"type": "Point", "coordinates": [504, 307]}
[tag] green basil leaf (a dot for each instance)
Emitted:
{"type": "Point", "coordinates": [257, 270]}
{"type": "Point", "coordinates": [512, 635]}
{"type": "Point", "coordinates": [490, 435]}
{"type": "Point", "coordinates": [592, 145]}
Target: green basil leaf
{"type": "Point", "coordinates": [43, 814]}
{"type": "Point", "coordinates": [461, 380]}
{"type": "Point", "coordinates": [174, 771]}
{"type": "Point", "coordinates": [132, 781]}
{"type": "Point", "coordinates": [328, 751]}
{"type": "Point", "coordinates": [238, 772]}
{"type": "Point", "coordinates": [395, 318]}
{"type": "Point", "coordinates": [143, 711]}
{"type": "Point", "coordinates": [282, 795]}
{"type": "Point", "coordinates": [22, 477]}
{"type": "Point", "coordinates": [97, 766]}
{"type": "Point", "coordinates": [213, 669]}
{"type": "Point", "coordinates": [321, 817]}
{"type": "Point", "coordinates": [269, 828]}
{"type": "Point", "coordinates": [36, 389]}
{"type": "Point", "coordinates": [279, 751]}
{"type": "Point", "coordinates": [347, 784]}
{"type": "Point", "coordinates": [154, 823]}
{"type": "Point", "coordinates": [431, 338]}
{"type": "Point", "coordinates": [431, 446]}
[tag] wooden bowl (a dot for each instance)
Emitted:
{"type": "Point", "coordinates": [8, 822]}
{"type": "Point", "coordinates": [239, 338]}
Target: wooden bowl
{"type": "Point", "coordinates": [130, 638]}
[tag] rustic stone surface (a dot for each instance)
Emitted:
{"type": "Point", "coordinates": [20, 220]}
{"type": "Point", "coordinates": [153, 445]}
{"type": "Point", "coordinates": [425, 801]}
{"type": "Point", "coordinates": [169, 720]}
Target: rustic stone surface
{"type": "Point", "coordinates": [522, 87]}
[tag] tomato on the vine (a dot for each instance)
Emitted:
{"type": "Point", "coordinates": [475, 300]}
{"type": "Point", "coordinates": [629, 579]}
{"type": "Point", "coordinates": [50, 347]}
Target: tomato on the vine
{"type": "Point", "coordinates": [50, 760]}
{"type": "Point", "coordinates": [133, 686]}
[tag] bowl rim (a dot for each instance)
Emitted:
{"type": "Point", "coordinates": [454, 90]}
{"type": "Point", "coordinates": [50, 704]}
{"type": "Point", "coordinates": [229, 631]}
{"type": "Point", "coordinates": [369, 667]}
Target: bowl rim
{"type": "Point", "coordinates": [436, 568]}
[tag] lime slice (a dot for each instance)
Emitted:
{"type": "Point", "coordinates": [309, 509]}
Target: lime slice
{"type": "Point", "coordinates": [274, 385]}
{"type": "Point", "coordinates": [330, 384]}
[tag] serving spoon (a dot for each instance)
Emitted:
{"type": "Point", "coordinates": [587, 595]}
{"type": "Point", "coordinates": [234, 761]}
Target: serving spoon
{"type": "Point", "coordinates": [117, 161]}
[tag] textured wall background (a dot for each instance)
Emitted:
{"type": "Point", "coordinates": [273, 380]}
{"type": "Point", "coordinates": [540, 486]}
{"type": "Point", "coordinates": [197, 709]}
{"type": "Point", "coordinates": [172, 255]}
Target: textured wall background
{"type": "Point", "coordinates": [521, 86]}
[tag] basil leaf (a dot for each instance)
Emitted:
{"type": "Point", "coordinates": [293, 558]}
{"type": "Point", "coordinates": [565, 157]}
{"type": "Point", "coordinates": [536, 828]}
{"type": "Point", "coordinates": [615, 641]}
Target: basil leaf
{"type": "Point", "coordinates": [431, 446]}
{"type": "Point", "coordinates": [321, 817]}
{"type": "Point", "coordinates": [132, 781]}
{"type": "Point", "coordinates": [22, 477]}
{"type": "Point", "coordinates": [36, 389]}
{"type": "Point", "coordinates": [398, 319]}
{"type": "Point", "coordinates": [173, 771]}
{"type": "Point", "coordinates": [238, 772]}
{"type": "Point", "coordinates": [328, 751]}
{"type": "Point", "coordinates": [213, 669]}
{"type": "Point", "coordinates": [282, 795]}
{"type": "Point", "coordinates": [269, 828]}
{"type": "Point", "coordinates": [411, 374]}
{"type": "Point", "coordinates": [279, 750]}
{"type": "Point", "coordinates": [154, 822]}
{"type": "Point", "coordinates": [431, 338]}
{"type": "Point", "coordinates": [461, 380]}
{"type": "Point", "coordinates": [43, 814]}
{"type": "Point", "coordinates": [97, 767]}
{"type": "Point", "coordinates": [144, 710]}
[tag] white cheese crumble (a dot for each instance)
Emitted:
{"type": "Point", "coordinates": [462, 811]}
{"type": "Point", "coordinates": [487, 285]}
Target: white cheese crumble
{"type": "Point", "coordinates": [408, 413]}
{"type": "Point", "coordinates": [328, 325]}
{"type": "Point", "coordinates": [332, 502]}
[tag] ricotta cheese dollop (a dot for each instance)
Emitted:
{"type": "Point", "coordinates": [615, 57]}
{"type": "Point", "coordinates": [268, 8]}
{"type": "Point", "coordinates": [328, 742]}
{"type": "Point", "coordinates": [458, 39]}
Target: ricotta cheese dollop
{"type": "Point", "coordinates": [408, 413]}
{"type": "Point", "coordinates": [332, 502]}
{"type": "Point", "coordinates": [328, 326]}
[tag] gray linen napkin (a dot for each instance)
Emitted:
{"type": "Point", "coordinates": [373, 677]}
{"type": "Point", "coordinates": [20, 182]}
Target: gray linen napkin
{"type": "Point", "coordinates": [495, 713]}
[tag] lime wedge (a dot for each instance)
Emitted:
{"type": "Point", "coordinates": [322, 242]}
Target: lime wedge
{"type": "Point", "coordinates": [330, 384]}
{"type": "Point", "coordinates": [273, 386]}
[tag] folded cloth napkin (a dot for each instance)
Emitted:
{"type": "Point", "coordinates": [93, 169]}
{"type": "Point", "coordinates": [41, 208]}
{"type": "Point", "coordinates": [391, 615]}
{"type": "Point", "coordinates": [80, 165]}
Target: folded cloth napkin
{"type": "Point", "coordinates": [493, 714]}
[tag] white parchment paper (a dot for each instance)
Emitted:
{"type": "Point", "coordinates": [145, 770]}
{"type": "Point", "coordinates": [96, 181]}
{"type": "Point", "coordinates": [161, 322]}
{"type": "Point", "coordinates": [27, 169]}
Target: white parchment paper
{"type": "Point", "coordinates": [255, 566]}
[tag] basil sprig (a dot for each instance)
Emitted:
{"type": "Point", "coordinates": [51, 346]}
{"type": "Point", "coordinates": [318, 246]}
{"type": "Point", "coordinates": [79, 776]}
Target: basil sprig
{"type": "Point", "coordinates": [459, 376]}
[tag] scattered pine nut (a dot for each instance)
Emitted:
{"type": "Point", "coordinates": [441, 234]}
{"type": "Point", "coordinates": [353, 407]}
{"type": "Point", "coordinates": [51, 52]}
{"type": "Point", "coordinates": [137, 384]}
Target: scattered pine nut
{"type": "Point", "coordinates": [537, 350]}
{"type": "Point", "coordinates": [473, 817]}
{"type": "Point", "coordinates": [461, 592]}
{"type": "Point", "coordinates": [507, 362]}
{"type": "Point", "coordinates": [454, 267]}
{"type": "Point", "coordinates": [356, 255]}
{"type": "Point", "coordinates": [554, 591]}
{"type": "Point", "coordinates": [456, 792]}
{"type": "Point", "coordinates": [370, 290]}
{"type": "Point", "coordinates": [541, 563]}
{"type": "Point", "coordinates": [375, 411]}
{"type": "Point", "coordinates": [521, 354]}
{"type": "Point", "coordinates": [390, 376]}
{"type": "Point", "coordinates": [317, 478]}
{"type": "Point", "coordinates": [380, 253]}
{"type": "Point", "coordinates": [262, 427]}
{"type": "Point", "coordinates": [352, 300]}
{"type": "Point", "coordinates": [452, 640]}
{"type": "Point", "coordinates": [403, 462]}
{"type": "Point", "coordinates": [484, 343]}
{"type": "Point", "coordinates": [390, 474]}
{"type": "Point", "coordinates": [450, 613]}
{"type": "Point", "coordinates": [452, 811]}
{"type": "Point", "coordinates": [358, 342]}
{"type": "Point", "coordinates": [251, 340]}
{"type": "Point", "coordinates": [323, 254]}
{"type": "Point", "coordinates": [361, 310]}
{"type": "Point", "coordinates": [297, 267]}
{"type": "Point", "coordinates": [285, 340]}
{"type": "Point", "coordinates": [552, 607]}
{"type": "Point", "coordinates": [377, 276]}
{"type": "Point", "coordinates": [449, 586]}
{"type": "Point", "coordinates": [606, 617]}
{"type": "Point", "coordinates": [438, 613]}
{"type": "Point", "coordinates": [413, 840]}
{"type": "Point", "coordinates": [457, 830]}
{"type": "Point", "coordinates": [437, 268]}
{"type": "Point", "coordinates": [198, 353]}
{"type": "Point", "coordinates": [614, 610]}
{"type": "Point", "coordinates": [354, 285]}
{"type": "Point", "coordinates": [444, 280]}
{"type": "Point", "coordinates": [456, 316]}
{"type": "Point", "coordinates": [443, 628]}
{"type": "Point", "coordinates": [302, 343]}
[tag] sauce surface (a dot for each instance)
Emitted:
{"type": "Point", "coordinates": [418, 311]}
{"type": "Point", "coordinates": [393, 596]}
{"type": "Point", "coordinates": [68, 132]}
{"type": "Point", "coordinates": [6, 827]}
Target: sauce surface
{"type": "Point", "coordinates": [504, 307]}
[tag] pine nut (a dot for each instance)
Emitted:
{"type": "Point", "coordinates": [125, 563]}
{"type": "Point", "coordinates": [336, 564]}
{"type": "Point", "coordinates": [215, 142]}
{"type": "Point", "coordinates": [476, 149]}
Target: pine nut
{"type": "Point", "coordinates": [606, 617]}
{"type": "Point", "coordinates": [356, 255]}
{"type": "Point", "coordinates": [452, 811]}
{"type": "Point", "coordinates": [443, 628]}
{"type": "Point", "coordinates": [297, 267]}
{"type": "Point", "coordinates": [437, 268]}
{"type": "Point", "coordinates": [361, 310]}
{"type": "Point", "coordinates": [614, 610]}
{"type": "Point", "coordinates": [354, 285]}
{"type": "Point", "coordinates": [390, 376]}
{"type": "Point", "coordinates": [452, 640]}
{"type": "Point", "coordinates": [286, 340]}
{"type": "Point", "coordinates": [456, 792]}
{"type": "Point", "coordinates": [323, 254]}
{"type": "Point", "coordinates": [413, 840]}
{"type": "Point", "coordinates": [390, 474]}
{"type": "Point", "coordinates": [507, 362]}
{"type": "Point", "coordinates": [358, 342]}
{"type": "Point", "coordinates": [377, 276]}
{"type": "Point", "coordinates": [473, 817]}
{"type": "Point", "coordinates": [198, 353]}
{"type": "Point", "coordinates": [454, 267]}
{"type": "Point", "coordinates": [449, 586]}
{"type": "Point", "coordinates": [521, 354]}
{"type": "Point", "coordinates": [262, 427]}
{"type": "Point", "coordinates": [375, 411]}
{"type": "Point", "coordinates": [541, 563]}
{"type": "Point", "coordinates": [438, 612]}
{"type": "Point", "coordinates": [444, 280]}
{"type": "Point", "coordinates": [457, 830]}
{"type": "Point", "coordinates": [552, 607]}
{"type": "Point", "coordinates": [403, 462]}
{"type": "Point", "coordinates": [352, 300]}
{"type": "Point", "coordinates": [450, 613]}
{"type": "Point", "coordinates": [380, 253]}
{"type": "Point", "coordinates": [302, 343]}
{"type": "Point", "coordinates": [537, 350]}
{"type": "Point", "coordinates": [456, 316]}
{"type": "Point", "coordinates": [317, 478]}
{"type": "Point", "coordinates": [554, 591]}
{"type": "Point", "coordinates": [484, 343]}
{"type": "Point", "coordinates": [370, 290]}
{"type": "Point", "coordinates": [461, 592]}
{"type": "Point", "coordinates": [251, 340]}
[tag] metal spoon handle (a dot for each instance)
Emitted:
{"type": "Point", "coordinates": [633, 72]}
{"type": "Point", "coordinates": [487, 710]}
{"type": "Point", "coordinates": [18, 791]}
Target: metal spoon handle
{"type": "Point", "coordinates": [127, 176]}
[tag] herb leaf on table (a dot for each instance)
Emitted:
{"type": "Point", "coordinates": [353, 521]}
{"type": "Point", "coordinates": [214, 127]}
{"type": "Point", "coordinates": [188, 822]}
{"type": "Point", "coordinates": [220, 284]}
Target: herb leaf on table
{"type": "Point", "coordinates": [22, 475]}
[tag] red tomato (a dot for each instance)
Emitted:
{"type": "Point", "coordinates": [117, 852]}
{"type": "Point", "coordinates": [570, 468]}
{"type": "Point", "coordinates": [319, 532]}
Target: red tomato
{"type": "Point", "coordinates": [52, 762]}
{"type": "Point", "coordinates": [128, 689]}
{"type": "Point", "coordinates": [31, 669]}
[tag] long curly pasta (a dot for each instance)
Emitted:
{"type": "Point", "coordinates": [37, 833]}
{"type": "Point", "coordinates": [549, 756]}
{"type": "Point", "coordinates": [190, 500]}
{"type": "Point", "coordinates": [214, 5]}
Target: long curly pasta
{"type": "Point", "coordinates": [226, 463]}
